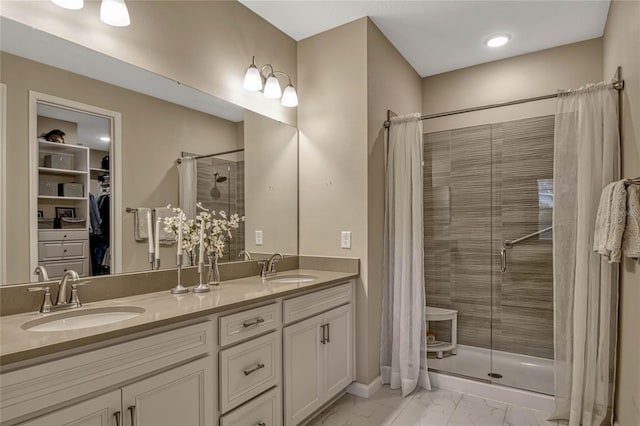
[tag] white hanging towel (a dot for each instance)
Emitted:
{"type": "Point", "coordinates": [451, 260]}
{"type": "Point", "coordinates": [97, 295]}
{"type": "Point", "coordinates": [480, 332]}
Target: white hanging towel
{"type": "Point", "coordinates": [603, 221]}
{"type": "Point", "coordinates": [631, 237]}
{"type": "Point", "coordinates": [140, 227]}
{"type": "Point", "coordinates": [618, 220]}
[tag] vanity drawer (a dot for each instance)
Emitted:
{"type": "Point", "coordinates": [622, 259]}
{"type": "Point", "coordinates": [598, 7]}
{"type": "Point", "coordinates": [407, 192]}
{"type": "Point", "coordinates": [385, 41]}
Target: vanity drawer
{"type": "Point", "coordinates": [56, 250]}
{"type": "Point", "coordinates": [264, 410]}
{"type": "Point", "coordinates": [245, 324]}
{"type": "Point", "coordinates": [248, 369]}
{"type": "Point", "coordinates": [63, 234]}
{"type": "Point", "coordinates": [57, 269]}
{"type": "Point", "coordinates": [308, 305]}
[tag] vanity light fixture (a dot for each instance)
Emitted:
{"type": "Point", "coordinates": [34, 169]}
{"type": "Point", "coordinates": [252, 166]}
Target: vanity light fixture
{"type": "Point", "coordinates": [115, 13]}
{"type": "Point", "coordinates": [69, 4]}
{"type": "Point", "coordinates": [255, 80]}
{"type": "Point", "coordinates": [497, 40]}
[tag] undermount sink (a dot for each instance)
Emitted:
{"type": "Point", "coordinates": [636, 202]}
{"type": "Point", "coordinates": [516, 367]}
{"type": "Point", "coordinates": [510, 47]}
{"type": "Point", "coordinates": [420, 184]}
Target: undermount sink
{"type": "Point", "coordinates": [284, 279]}
{"type": "Point", "coordinates": [83, 318]}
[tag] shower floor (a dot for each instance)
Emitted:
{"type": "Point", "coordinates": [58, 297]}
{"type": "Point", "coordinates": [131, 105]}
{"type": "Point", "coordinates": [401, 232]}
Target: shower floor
{"type": "Point", "coordinates": [518, 371]}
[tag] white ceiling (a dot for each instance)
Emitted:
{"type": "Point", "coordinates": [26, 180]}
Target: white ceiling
{"type": "Point", "coordinates": [440, 36]}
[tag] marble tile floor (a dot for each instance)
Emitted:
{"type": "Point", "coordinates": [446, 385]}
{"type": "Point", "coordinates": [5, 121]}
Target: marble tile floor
{"type": "Point", "coordinates": [437, 407]}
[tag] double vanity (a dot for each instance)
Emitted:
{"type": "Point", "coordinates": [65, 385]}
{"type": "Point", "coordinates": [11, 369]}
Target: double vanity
{"type": "Point", "coordinates": [252, 351]}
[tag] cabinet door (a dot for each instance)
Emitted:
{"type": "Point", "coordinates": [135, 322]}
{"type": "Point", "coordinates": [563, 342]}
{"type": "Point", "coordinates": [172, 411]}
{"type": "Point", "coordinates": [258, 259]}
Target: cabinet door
{"type": "Point", "coordinates": [182, 396]}
{"type": "Point", "coordinates": [302, 377]}
{"type": "Point", "coordinates": [338, 350]}
{"type": "Point", "coordinates": [100, 411]}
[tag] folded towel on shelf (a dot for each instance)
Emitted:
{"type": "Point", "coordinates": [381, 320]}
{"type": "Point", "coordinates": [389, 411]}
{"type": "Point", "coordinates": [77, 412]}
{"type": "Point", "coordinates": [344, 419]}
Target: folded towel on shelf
{"type": "Point", "coordinates": [618, 221]}
{"type": "Point", "coordinates": [631, 237]}
{"type": "Point", "coordinates": [603, 221]}
{"type": "Point", "coordinates": [166, 238]}
{"type": "Point", "coordinates": [140, 227]}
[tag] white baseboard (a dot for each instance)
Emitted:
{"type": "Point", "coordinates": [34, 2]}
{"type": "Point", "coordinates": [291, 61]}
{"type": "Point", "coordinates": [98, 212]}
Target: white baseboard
{"type": "Point", "coordinates": [365, 391]}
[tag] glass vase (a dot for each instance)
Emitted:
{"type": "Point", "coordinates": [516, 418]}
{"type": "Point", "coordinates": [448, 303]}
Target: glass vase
{"type": "Point", "coordinates": [214, 272]}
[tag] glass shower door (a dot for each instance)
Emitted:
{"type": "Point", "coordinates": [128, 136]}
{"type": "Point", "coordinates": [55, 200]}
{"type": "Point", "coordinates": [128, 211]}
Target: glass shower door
{"type": "Point", "coordinates": [522, 282]}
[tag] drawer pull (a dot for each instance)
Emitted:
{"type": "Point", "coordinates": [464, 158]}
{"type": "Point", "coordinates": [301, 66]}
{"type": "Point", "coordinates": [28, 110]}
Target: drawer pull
{"type": "Point", "coordinates": [256, 368]}
{"type": "Point", "coordinates": [253, 322]}
{"type": "Point", "coordinates": [117, 415]}
{"type": "Point", "coordinates": [132, 411]}
{"type": "Point", "coordinates": [262, 424]}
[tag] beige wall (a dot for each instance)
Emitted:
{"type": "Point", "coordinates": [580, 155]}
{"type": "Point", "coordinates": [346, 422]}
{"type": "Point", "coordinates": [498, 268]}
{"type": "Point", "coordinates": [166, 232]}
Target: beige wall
{"type": "Point", "coordinates": [391, 84]}
{"type": "Point", "coordinates": [271, 185]}
{"type": "Point", "coordinates": [222, 37]}
{"type": "Point", "coordinates": [622, 47]}
{"type": "Point", "coordinates": [534, 74]}
{"type": "Point", "coordinates": [332, 120]}
{"type": "Point", "coordinates": [154, 132]}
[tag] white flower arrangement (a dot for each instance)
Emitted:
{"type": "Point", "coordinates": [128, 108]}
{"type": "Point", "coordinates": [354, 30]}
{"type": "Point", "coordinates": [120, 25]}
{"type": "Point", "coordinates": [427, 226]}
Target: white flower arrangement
{"type": "Point", "coordinates": [217, 229]}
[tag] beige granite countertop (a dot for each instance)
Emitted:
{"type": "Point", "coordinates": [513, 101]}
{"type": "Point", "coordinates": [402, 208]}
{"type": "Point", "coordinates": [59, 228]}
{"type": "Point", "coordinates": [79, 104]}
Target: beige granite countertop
{"type": "Point", "coordinates": [161, 308]}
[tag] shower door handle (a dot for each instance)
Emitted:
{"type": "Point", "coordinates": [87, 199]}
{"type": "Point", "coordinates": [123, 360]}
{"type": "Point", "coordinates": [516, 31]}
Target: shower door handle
{"type": "Point", "coordinates": [503, 260]}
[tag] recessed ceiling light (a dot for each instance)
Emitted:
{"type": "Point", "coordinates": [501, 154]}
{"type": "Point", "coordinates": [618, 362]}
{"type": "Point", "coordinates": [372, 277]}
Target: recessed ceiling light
{"type": "Point", "coordinates": [105, 139]}
{"type": "Point", "coordinates": [498, 40]}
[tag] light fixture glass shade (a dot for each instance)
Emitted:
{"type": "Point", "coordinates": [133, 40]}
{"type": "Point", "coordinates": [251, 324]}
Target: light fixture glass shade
{"type": "Point", "coordinates": [115, 13]}
{"type": "Point", "coordinates": [289, 96]}
{"type": "Point", "coordinates": [69, 4]}
{"type": "Point", "coordinates": [272, 88]}
{"type": "Point", "coordinates": [252, 79]}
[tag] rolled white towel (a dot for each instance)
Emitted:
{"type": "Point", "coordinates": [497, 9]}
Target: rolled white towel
{"type": "Point", "coordinates": [631, 237]}
{"type": "Point", "coordinates": [166, 238]}
{"type": "Point", "coordinates": [603, 221]}
{"type": "Point", "coordinates": [140, 227]}
{"type": "Point", "coordinates": [618, 220]}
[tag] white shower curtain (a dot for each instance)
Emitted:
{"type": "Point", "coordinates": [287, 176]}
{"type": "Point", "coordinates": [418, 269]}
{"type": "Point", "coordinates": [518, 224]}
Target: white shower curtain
{"type": "Point", "coordinates": [586, 158]}
{"type": "Point", "coordinates": [188, 186]}
{"type": "Point", "coordinates": [403, 306]}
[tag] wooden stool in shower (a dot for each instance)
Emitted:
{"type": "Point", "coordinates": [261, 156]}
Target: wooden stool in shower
{"type": "Point", "coordinates": [440, 314]}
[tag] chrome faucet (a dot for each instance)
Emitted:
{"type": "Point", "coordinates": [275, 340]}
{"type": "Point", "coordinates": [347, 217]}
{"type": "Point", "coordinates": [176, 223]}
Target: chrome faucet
{"type": "Point", "coordinates": [245, 254]}
{"type": "Point", "coordinates": [269, 267]}
{"type": "Point", "coordinates": [42, 273]}
{"type": "Point", "coordinates": [61, 304]}
{"type": "Point", "coordinates": [62, 290]}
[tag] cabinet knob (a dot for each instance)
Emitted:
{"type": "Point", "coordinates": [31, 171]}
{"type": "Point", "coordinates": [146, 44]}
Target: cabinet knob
{"type": "Point", "coordinates": [65, 236]}
{"type": "Point", "coordinates": [65, 250]}
{"type": "Point", "coordinates": [262, 424]}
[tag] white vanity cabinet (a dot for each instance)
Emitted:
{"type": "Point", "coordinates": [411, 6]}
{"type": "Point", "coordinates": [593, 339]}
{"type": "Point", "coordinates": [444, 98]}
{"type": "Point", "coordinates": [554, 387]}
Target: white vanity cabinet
{"type": "Point", "coordinates": [100, 411]}
{"type": "Point", "coordinates": [250, 366]}
{"type": "Point", "coordinates": [179, 396]}
{"type": "Point", "coordinates": [318, 351]}
{"type": "Point", "coordinates": [167, 378]}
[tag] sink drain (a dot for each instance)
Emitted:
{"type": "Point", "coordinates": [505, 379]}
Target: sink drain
{"type": "Point", "coordinates": [495, 375]}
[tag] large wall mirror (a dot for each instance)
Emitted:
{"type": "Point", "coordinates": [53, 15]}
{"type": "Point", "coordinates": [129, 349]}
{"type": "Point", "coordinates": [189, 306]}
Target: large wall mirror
{"type": "Point", "coordinates": [124, 136]}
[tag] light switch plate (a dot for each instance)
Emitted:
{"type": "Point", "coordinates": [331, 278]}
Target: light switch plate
{"type": "Point", "coordinates": [258, 238]}
{"type": "Point", "coordinates": [345, 240]}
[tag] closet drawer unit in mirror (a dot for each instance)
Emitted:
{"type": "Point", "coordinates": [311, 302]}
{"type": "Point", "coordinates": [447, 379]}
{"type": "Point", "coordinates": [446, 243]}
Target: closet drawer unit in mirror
{"type": "Point", "coordinates": [57, 269]}
{"type": "Point", "coordinates": [308, 305]}
{"type": "Point", "coordinates": [249, 369]}
{"type": "Point", "coordinates": [264, 410]}
{"type": "Point", "coordinates": [58, 235]}
{"type": "Point", "coordinates": [57, 250]}
{"type": "Point", "coordinates": [250, 323]}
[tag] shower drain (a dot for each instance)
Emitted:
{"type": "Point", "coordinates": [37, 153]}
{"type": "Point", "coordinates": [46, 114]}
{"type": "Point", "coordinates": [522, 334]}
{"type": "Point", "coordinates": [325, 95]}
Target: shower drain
{"type": "Point", "coordinates": [495, 375]}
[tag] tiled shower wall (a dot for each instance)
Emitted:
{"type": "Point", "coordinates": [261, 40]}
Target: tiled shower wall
{"type": "Point", "coordinates": [483, 185]}
{"type": "Point", "coordinates": [231, 199]}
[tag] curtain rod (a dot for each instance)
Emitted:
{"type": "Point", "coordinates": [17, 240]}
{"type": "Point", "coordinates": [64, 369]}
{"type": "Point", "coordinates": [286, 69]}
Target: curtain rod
{"type": "Point", "coordinates": [197, 157]}
{"type": "Point", "coordinates": [618, 84]}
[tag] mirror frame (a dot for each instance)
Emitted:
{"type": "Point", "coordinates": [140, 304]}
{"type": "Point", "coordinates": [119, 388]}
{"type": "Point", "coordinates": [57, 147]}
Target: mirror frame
{"type": "Point", "coordinates": [115, 156]}
{"type": "Point", "coordinates": [3, 182]}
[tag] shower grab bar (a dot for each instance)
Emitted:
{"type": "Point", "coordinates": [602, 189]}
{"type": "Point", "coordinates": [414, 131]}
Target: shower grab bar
{"type": "Point", "coordinates": [508, 244]}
